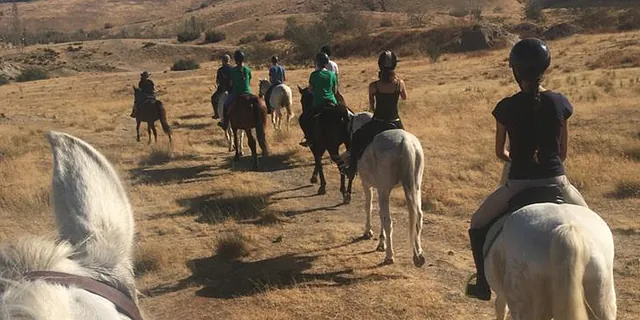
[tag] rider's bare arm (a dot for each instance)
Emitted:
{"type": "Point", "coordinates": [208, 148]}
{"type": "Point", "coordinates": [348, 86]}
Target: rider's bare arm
{"type": "Point", "coordinates": [403, 90]}
{"type": "Point", "coordinates": [501, 139]}
{"type": "Point", "coordinates": [372, 96]}
{"type": "Point", "coordinates": [563, 141]}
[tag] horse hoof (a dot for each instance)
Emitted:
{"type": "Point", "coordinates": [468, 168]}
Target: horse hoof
{"type": "Point", "coordinates": [368, 235]}
{"type": "Point", "coordinates": [322, 190]}
{"type": "Point", "coordinates": [419, 260]}
{"type": "Point", "coordinates": [314, 180]}
{"type": "Point", "coordinates": [236, 158]}
{"type": "Point", "coordinates": [346, 199]}
{"type": "Point", "coordinates": [381, 248]}
{"type": "Point", "coordinates": [388, 261]}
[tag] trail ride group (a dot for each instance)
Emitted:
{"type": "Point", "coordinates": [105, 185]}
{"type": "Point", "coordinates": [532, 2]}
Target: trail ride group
{"type": "Point", "coordinates": [536, 244]}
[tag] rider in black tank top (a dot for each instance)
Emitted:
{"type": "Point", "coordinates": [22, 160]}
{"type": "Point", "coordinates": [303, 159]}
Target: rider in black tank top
{"type": "Point", "coordinates": [385, 110]}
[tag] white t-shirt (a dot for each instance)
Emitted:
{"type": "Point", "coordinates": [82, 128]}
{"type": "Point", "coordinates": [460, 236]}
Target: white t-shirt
{"type": "Point", "coordinates": [332, 66]}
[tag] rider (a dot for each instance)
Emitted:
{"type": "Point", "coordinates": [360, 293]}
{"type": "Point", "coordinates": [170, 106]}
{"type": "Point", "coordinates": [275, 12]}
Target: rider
{"type": "Point", "coordinates": [383, 101]}
{"type": "Point", "coordinates": [277, 76]}
{"type": "Point", "coordinates": [333, 67]}
{"type": "Point", "coordinates": [323, 85]}
{"type": "Point", "coordinates": [147, 87]}
{"type": "Point", "coordinates": [223, 80]}
{"type": "Point", "coordinates": [535, 119]}
{"type": "Point", "coordinates": [240, 84]}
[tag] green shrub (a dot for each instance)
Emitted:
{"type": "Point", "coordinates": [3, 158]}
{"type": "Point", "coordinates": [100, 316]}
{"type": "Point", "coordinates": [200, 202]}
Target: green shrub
{"type": "Point", "coordinates": [386, 23]}
{"type": "Point", "coordinates": [248, 39]}
{"type": "Point", "coordinates": [108, 25]}
{"type": "Point", "coordinates": [459, 12]}
{"type": "Point", "coordinates": [185, 64]}
{"type": "Point", "coordinates": [186, 36]}
{"type": "Point", "coordinates": [307, 40]}
{"type": "Point", "coordinates": [533, 10]}
{"type": "Point", "coordinates": [213, 36]}
{"type": "Point", "coordinates": [272, 36]}
{"type": "Point", "coordinates": [32, 74]}
{"type": "Point", "coordinates": [3, 79]}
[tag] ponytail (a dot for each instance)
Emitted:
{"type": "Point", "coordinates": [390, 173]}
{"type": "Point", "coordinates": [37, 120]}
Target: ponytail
{"type": "Point", "coordinates": [537, 105]}
{"type": "Point", "coordinates": [387, 75]}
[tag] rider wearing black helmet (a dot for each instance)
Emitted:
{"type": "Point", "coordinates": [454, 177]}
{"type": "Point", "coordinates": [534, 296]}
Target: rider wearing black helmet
{"type": "Point", "coordinates": [240, 84]}
{"type": "Point", "coordinates": [383, 101]}
{"type": "Point", "coordinates": [535, 120]}
{"type": "Point", "coordinates": [146, 86]}
{"type": "Point", "coordinates": [277, 76]}
{"type": "Point", "coordinates": [323, 84]}
{"type": "Point", "coordinates": [223, 80]}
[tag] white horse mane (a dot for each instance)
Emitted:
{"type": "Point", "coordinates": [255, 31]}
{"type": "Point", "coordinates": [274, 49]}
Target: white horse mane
{"type": "Point", "coordinates": [95, 225]}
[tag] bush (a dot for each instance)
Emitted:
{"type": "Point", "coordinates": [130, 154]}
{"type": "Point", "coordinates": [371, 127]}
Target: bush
{"type": "Point", "coordinates": [433, 51]}
{"type": "Point", "coordinates": [248, 39]}
{"type": "Point", "coordinates": [533, 10]}
{"type": "Point", "coordinates": [459, 12]}
{"type": "Point", "coordinates": [498, 9]}
{"type": "Point", "coordinates": [272, 36]}
{"type": "Point", "coordinates": [3, 79]}
{"type": "Point", "coordinates": [32, 74]}
{"type": "Point", "coordinates": [476, 13]}
{"type": "Point", "coordinates": [185, 64]}
{"type": "Point", "coordinates": [213, 36]}
{"type": "Point", "coordinates": [186, 36]}
{"type": "Point", "coordinates": [307, 40]}
{"type": "Point", "coordinates": [260, 53]}
{"type": "Point", "coordinates": [232, 246]}
{"type": "Point", "coordinates": [108, 25]}
{"type": "Point", "coordinates": [339, 19]}
{"type": "Point", "coordinates": [386, 23]}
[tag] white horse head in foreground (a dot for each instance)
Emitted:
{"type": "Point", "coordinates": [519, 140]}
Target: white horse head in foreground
{"type": "Point", "coordinates": [393, 158]}
{"type": "Point", "coordinates": [553, 261]}
{"type": "Point", "coordinates": [88, 273]}
{"type": "Point", "coordinates": [281, 97]}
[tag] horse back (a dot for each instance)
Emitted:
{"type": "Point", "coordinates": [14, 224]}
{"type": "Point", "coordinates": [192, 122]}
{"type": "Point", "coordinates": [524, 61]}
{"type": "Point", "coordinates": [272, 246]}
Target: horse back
{"type": "Point", "coordinates": [247, 111]}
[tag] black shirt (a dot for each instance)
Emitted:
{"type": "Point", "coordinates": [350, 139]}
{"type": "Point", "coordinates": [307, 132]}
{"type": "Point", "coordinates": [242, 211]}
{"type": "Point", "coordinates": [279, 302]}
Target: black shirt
{"type": "Point", "coordinates": [534, 137]}
{"type": "Point", "coordinates": [147, 86]}
{"type": "Point", "coordinates": [223, 77]}
{"type": "Point", "coordinates": [387, 103]}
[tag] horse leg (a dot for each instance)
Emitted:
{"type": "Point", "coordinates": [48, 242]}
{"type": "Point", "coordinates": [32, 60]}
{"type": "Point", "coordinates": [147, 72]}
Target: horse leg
{"type": "Point", "coordinates": [252, 146]}
{"type": "Point", "coordinates": [138, 130]}
{"type": "Point", "coordinates": [229, 136]}
{"type": "Point", "coordinates": [335, 156]}
{"type": "Point", "coordinates": [501, 308]}
{"type": "Point", "coordinates": [387, 224]}
{"type": "Point", "coordinates": [368, 203]}
{"type": "Point", "coordinates": [235, 143]}
{"type": "Point", "coordinates": [290, 116]}
{"type": "Point", "coordinates": [155, 133]}
{"type": "Point", "coordinates": [318, 168]}
{"type": "Point", "coordinates": [413, 198]}
{"type": "Point", "coordinates": [273, 121]}
{"type": "Point", "coordinates": [149, 132]}
{"type": "Point", "coordinates": [241, 145]}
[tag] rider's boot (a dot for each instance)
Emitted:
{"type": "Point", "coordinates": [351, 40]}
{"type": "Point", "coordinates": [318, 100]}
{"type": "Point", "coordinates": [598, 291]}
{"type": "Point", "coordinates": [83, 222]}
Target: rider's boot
{"type": "Point", "coordinates": [133, 112]}
{"type": "Point", "coordinates": [479, 290]}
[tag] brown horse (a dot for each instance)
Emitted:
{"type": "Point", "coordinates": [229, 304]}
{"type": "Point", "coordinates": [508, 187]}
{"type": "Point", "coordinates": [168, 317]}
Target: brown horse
{"type": "Point", "coordinates": [248, 112]}
{"type": "Point", "coordinates": [150, 111]}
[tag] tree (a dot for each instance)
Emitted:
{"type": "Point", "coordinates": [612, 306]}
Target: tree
{"type": "Point", "coordinates": [418, 12]}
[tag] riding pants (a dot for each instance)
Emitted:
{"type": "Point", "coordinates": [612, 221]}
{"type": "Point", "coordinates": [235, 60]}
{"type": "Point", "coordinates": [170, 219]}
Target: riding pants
{"type": "Point", "coordinates": [498, 202]}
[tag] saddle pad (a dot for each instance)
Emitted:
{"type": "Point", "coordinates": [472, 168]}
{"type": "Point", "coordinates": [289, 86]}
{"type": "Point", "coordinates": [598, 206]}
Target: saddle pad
{"type": "Point", "coordinates": [494, 232]}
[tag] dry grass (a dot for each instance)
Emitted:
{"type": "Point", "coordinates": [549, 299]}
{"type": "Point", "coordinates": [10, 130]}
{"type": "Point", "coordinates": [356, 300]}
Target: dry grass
{"type": "Point", "coordinates": [150, 258]}
{"type": "Point", "coordinates": [304, 262]}
{"type": "Point", "coordinates": [232, 246]}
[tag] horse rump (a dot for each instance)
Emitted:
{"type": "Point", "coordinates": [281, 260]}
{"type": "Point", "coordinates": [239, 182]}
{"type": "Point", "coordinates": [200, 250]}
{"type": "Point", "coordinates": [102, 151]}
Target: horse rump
{"type": "Point", "coordinates": [569, 260]}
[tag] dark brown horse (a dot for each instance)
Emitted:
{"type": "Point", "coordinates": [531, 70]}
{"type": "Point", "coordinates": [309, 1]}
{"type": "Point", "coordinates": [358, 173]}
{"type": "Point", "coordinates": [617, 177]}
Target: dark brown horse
{"type": "Point", "coordinates": [150, 111]}
{"type": "Point", "coordinates": [330, 130]}
{"type": "Point", "coordinates": [248, 112]}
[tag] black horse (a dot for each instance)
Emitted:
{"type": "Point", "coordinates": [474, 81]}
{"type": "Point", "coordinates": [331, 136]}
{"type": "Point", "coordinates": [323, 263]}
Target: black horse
{"type": "Point", "coordinates": [329, 129]}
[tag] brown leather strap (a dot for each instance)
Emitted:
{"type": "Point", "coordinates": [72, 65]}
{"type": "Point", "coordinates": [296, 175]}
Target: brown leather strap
{"type": "Point", "coordinates": [124, 304]}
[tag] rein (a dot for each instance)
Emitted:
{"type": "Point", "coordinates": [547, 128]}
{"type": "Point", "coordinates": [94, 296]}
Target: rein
{"type": "Point", "coordinates": [123, 302]}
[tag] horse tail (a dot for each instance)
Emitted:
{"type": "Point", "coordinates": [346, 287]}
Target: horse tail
{"type": "Point", "coordinates": [162, 116]}
{"type": "Point", "coordinates": [260, 115]}
{"type": "Point", "coordinates": [412, 167]}
{"type": "Point", "coordinates": [568, 263]}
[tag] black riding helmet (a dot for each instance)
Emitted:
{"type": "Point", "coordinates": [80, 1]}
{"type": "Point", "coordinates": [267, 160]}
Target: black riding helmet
{"type": "Point", "coordinates": [275, 59]}
{"type": "Point", "coordinates": [322, 59]}
{"type": "Point", "coordinates": [387, 61]}
{"type": "Point", "coordinates": [238, 56]}
{"type": "Point", "coordinates": [530, 57]}
{"type": "Point", "coordinates": [326, 49]}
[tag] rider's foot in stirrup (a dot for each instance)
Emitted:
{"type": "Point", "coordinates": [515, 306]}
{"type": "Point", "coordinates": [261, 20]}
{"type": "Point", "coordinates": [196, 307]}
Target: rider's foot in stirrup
{"type": "Point", "coordinates": [221, 125]}
{"type": "Point", "coordinates": [215, 116]}
{"type": "Point", "coordinates": [305, 143]}
{"type": "Point", "coordinates": [132, 115]}
{"type": "Point", "coordinates": [478, 291]}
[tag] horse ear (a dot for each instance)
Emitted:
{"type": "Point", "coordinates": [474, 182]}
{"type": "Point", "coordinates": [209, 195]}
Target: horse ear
{"type": "Point", "coordinates": [91, 205]}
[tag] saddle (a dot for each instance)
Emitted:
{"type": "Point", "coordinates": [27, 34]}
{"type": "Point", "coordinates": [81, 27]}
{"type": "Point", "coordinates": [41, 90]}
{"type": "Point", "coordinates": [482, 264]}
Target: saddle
{"type": "Point", "coordinates": [547, 194]}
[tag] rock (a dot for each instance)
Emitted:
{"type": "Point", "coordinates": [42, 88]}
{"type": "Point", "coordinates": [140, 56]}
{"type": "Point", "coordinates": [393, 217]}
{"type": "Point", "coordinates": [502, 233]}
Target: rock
{"type": "Point", "coordinates": [480, 37]}
{"type": "Point", "coordinates": [561, 30]}
{"type": "Point", "coordinates": [451, 252]}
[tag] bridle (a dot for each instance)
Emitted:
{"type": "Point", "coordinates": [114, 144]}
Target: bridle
{"type": "Point", "coordinates": [122, 300]}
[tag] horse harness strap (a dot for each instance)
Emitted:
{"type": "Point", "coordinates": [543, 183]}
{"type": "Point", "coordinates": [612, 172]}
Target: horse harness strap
{"type": "Point", "coordinates": [123, 302]}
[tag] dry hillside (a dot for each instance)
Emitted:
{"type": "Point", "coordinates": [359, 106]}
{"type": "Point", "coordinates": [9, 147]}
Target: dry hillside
{"type": "Point", "coordinates": [194, 206]}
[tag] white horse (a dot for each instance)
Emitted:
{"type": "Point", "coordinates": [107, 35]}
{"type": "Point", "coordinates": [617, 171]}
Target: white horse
{"type": "Point", "coordinates": [553, 261]}
{"type": "Point", "coordinates": [88, 274]}
{"type": "Point", "coordinates": [393, 158]}
{"type": "Point", "coordinates": [281, 97]}
{"type": "Point", "coordinates": [228, 134]}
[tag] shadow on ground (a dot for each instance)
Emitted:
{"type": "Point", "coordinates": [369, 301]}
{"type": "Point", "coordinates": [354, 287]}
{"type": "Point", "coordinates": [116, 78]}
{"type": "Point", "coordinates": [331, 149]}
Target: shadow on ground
{"type": "Point", "coordinates": [172, 175]}
{"type": "Point", "coordinates": [223, 279]}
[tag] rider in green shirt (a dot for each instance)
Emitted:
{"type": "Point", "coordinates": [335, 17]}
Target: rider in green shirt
{"type": "Point", "coordinates": [240, 84]}
{"type": "Point", "coordinates": [323, 84]}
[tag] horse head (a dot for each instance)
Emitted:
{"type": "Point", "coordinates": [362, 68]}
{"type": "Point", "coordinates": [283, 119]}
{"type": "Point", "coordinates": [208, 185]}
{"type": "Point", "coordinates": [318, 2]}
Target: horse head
{"type": "Point", "coordinates": [96, 229]}
{"type": "Point", "coordinates": [263, 85]}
